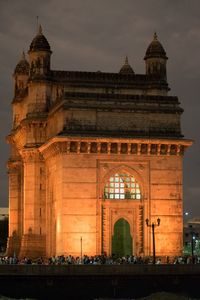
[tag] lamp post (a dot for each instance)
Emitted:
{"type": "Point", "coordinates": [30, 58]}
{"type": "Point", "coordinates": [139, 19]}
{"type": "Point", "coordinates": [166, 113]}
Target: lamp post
{"type": "Point", "coordinates": [81, 240]}
{"type": "Point", "coordinates": [192, 245]}
{"type": "Point", "coordinates": [193, 241]}
{"type": "Point", "coordinates": [153, 225]}
{"type": "Point", "coordinates": [186, 216]}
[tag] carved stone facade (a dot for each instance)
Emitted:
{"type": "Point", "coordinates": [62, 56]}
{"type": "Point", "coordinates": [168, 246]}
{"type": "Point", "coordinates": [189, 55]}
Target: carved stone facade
{"type": "Point", "coordinates": [89, 149]}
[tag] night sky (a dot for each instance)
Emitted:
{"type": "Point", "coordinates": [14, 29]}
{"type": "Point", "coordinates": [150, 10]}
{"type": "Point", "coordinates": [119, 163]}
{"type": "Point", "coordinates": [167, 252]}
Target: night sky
{"type": "Point", "coordinates": [91, 35]}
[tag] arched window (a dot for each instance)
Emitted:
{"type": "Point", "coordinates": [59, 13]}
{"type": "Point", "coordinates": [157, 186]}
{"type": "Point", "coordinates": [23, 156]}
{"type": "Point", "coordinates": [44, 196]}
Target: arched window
{"type": "Point", "coordinates": [122, 186]}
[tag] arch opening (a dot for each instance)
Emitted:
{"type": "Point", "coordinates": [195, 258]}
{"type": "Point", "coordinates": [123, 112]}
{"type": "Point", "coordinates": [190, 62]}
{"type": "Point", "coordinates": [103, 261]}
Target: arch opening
{"type": "Point", "coordinates": [122, 243]}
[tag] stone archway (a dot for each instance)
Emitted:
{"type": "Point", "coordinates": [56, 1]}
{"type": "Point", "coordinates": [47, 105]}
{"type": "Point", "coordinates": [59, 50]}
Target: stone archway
{"type": "Point", "coordinates": [122, 240]}
{"type": "Point", "coordinates": [122, 198]}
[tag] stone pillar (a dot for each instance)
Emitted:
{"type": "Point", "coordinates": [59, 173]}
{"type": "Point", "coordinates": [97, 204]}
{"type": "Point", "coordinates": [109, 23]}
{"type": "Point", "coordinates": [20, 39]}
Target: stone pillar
{"type": "Point", "coordinates": [33, 239]}
{"type": "Point", "coordinates": [15, 209]}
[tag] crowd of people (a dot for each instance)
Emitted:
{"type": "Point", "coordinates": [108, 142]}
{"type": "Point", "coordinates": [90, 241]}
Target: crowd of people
{"type": "Point", "coordinates": [97, 260]}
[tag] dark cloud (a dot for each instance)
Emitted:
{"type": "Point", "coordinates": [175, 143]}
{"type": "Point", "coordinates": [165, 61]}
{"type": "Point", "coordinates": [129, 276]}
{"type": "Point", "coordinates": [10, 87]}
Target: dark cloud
{"type": "Point", "coordinates": [96, 35]}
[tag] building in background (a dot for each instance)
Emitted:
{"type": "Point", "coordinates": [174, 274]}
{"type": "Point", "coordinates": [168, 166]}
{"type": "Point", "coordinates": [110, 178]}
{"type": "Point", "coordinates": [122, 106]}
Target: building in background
{"type": "Point", "coordinates": [3, 213]}
{"type": "Point", "coordinates": [191, 237]}
{"type": "Point", "coordinates": [94, 155]}
{"type": "Point", "coordinates": [3, 229]}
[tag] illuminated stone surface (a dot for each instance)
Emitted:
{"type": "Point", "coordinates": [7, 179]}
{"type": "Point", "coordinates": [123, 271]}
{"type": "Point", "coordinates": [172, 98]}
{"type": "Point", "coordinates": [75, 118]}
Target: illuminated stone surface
{"type": "Point", "coordinates": [72, 132]}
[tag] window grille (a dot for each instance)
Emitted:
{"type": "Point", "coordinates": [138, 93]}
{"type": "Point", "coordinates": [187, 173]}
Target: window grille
{"type": "Point", "coordinates": [122, 186]}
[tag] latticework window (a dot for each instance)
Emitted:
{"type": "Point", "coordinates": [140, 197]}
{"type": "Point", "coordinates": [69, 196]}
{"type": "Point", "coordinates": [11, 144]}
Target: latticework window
{"type": "Point", "coordinates": [122, 186]}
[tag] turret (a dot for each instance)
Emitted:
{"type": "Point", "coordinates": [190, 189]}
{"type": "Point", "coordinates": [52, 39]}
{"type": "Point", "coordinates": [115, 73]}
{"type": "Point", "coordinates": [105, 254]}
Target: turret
{"type": "Point", "coordinates": [21, 74]}
{"type": "Point", "coordinates": [39, 55]}
{"type": "Point", "coordinates": [156, 59]}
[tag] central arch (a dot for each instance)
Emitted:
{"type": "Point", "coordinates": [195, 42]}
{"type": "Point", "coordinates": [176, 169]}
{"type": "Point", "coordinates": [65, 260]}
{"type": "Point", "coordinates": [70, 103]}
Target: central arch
{"type": "Point", "coordinates": [122, 240]}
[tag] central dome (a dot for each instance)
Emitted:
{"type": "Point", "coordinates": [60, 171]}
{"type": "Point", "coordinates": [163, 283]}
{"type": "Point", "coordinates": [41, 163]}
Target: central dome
{"type": "Point", "coordinates": [40, 43]}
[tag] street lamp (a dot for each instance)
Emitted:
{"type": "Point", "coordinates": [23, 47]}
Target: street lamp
{"type": "Point", "coordinates": [192, 245]}
{"type": "Point", "coordinates": [153, 225]}
{"type": "Point", "coordinates": [193, 240]}
{"type": "Point", "coordinates": [186, 216]}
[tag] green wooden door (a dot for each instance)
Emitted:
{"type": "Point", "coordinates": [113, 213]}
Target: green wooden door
{"type": "Point", "coordinates": [122, 240]}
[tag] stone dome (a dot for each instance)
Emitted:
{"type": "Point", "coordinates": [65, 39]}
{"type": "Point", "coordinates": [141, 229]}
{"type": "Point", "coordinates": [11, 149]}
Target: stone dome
{"type": "Point", "coordinates": [126, 68]}
{"type": "Point", "coordinates": [40, 43]}
{"type": "Point", "coordinates": [155, 49]}
{"type": "Point", "coordinates": [22, 68]}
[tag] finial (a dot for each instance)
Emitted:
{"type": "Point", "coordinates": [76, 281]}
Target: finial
{"type": "Point", "coordinates": [40, 29]}
{"type": "Point", "coordinates": [37, 18]}
{"type": "Point", "coordinates": [23, 55]}
{"type": "Point", "coordinates": [126, 60]}
{"type": "Point", "coordinates": [155, 37]}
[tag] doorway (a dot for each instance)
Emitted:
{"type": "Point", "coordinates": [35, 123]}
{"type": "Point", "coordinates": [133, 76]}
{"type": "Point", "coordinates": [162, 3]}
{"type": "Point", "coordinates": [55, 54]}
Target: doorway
{"type": "Point", "coordinates": [122, 240]}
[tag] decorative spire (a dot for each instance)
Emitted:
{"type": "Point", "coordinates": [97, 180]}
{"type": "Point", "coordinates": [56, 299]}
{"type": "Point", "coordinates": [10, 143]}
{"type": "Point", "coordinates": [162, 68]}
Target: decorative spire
{"type": "Point", "coordinates": [126, 60]}
{"type": "Point", "coordinates": [155, 37]}
{"type": "Point", "coordinates": [40, 29]}
{"type": "Point", "coordinates": [37, 22]}
{"type": "Point", "coordinates": [126, 68]}
{"type": "Point", "coordinates": [23, 55]}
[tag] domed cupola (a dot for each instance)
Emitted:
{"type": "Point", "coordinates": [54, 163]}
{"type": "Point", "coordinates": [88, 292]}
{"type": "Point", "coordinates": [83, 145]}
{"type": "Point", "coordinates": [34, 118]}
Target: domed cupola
{"type": "Point", "coordinates": [22, 68]}
{"type": "Point", "coordinates": [155, 49]}
{"type": "Point", "coordinates": [126, 68]}
{"type": "Point", "coordinates": [40, 43]}
{"type": "Point", "coordinates": [156, 59]}
{"type": "Point", "coordinates": [21, 75]}
{"type": "Point", "coordinates": [39, 55]}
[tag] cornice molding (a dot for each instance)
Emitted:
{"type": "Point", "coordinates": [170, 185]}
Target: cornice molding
{"type": "Point", "coordinates": [107, 146]}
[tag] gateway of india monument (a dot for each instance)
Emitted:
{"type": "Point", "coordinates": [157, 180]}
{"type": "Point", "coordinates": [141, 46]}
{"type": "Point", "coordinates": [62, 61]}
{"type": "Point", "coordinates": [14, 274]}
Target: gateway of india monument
{"type": "Point", "coordinates": [93, 155]}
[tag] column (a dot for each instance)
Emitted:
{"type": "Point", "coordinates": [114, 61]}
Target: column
{"type": "Point", "coordinates": [33, 240]}
{"type": "Point", "coordinates": [15, 210]}
{"type": "Point", "coordinates": [129, 149]}
{"type": "Point", "coordinates": [168, 149]}
{"type": "Point", "coordinates": [138, 149]}
{"type": "Point", "coordinates": [118, 148]}
{"type": "Point", "coordinates": [88, 147]}
{"type": "Point", "coordinates": [158, 149]}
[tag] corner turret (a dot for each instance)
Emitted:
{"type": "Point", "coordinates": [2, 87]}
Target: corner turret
{"type": "Point", "coordinates": [156, 59]}
{"type": "Point", "coordinates": [39, 55]}
{"type": "Point", "coordinates": [21, 74]}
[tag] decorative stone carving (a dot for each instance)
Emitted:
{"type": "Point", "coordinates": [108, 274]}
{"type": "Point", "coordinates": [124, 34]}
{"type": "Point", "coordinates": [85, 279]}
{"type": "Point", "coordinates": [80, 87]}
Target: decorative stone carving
{"type": "Point", "coordinates": [31, 156]}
